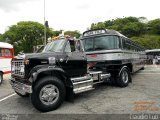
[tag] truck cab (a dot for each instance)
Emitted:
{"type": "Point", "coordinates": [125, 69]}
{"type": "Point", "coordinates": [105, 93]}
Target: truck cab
{"type": "Point", "coordinates": [57, 73]}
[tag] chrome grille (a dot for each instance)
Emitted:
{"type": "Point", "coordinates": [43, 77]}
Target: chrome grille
{"type": "Point", "coordinates": [18, 68]}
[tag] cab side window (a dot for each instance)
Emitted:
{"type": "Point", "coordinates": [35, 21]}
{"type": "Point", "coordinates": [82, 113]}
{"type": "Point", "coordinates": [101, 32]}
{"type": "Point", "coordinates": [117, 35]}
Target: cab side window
{"type": "Point", "coordinates": [78, 46]}
{"type": "Point", "coordinates": [8, 52]}
{"type": "Point", "coordinates": [72, 45]}
{"type": "Point", "coordinates": [68, 48]}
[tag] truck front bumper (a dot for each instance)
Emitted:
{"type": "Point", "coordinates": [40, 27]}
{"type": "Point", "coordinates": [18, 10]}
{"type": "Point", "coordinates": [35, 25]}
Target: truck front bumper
{"type": "Point", "coordinates": [19, 87]}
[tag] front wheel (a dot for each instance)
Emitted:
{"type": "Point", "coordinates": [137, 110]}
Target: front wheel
{"type": "Point", "coordinates": [124, 77]}
{"type": "Point", "coordinates": [48, 94]}
{"type": "Point", "coordinates": [1, 77]}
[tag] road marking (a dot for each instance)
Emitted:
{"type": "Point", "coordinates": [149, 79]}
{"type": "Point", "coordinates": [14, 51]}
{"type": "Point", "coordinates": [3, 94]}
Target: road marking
{"type": "Point", "coordinates": [7, 97]}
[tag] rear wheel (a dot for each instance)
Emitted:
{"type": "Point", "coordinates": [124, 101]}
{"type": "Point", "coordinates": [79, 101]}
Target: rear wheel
{"type": "Point", "coordinates": [1, 78]}
{"type": "Point", "coordinates": [124, 77]}
{"type": "Point", "coordinates": [48, 94]}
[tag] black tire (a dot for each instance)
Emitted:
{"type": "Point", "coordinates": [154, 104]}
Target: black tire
{"type": "Point", "coordinates": [112, 80]}
{"type": "Point", "coordinates": [37, 101]}
{"type": "Point", "coordinates": [124, 77]}
{"type": "Point", "coordinates": [1, 78]}
{"type": "Point", "coordinates": [26, 95]}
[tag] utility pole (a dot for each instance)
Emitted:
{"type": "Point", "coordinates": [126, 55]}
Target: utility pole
{"type": "Point", "coordinates": [45, 35]}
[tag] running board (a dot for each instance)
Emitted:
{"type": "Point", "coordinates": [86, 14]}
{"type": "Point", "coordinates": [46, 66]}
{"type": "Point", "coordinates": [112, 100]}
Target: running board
{"type": "Point", "coordinates": [83, 89]}
{"type": "Point", "coordinates": [82, 84]}
{"type": "Point", "coordinates": [105, 76]}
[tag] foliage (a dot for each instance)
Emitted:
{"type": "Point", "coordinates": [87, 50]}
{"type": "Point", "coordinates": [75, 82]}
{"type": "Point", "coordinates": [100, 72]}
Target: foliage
{"type": "Point", "coordinates": [25, 35]}
{"type": "Point", "coordinates": [154, 26]}
{"type": "Point", "coordinates": [73, 33]}
{"type": "Point", "coordinates": [148, 41]}
{"type": "Point", "coordinates": [130, 26]}
{"type": "Point", "coordinates": [142, 31]}
{"type": "Point", "coordinates": [1, 38]}
{"type": "Point", "coordinates": [55, 33]}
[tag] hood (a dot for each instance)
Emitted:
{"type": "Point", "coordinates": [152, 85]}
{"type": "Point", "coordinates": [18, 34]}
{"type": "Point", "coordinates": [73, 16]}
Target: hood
{"type": "Point", "coordinates": [37, 55]}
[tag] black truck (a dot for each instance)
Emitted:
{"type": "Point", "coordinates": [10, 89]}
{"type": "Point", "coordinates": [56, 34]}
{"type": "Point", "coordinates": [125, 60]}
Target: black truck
{"type": "Point", "coordinates": [66, 67]}
{"type": "Point", "coordinates": [56, 74]}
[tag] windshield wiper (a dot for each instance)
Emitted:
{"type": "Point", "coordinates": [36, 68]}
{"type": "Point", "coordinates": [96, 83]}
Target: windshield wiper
{"type": "Point", "coordinates": [99, 48]}
{"type": "Point", "coordinates": [90, 49]}
{"type": "Point", "coordinates": [49, 51]}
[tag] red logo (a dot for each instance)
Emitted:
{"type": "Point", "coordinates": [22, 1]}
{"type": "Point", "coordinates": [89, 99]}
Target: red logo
{"type": "Point", "coordinates": [93, 55]}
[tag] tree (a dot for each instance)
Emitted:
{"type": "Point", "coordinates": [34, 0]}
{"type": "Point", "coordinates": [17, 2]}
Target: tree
{"type": "Point", "coordinates": [154, 26]}
{"type": "Point", "coordinates": [143, 19]}
{"type": "Point", "coordinates": [148, 41]}
{"type": "Point", "coordinates": [1, 37]}
{"type": "Point", "coordinates": [55, 33]}
{"type": "Point", "coordinates": [26, 34]}
{"type": "Point", "coordinates": [133, 29]}
{"type": "Point", "coordinates": [129, 26]}
{"type": "Point", "coordinates": [73, 33]}
{"type": "Point", "coordinates": [93, 26]}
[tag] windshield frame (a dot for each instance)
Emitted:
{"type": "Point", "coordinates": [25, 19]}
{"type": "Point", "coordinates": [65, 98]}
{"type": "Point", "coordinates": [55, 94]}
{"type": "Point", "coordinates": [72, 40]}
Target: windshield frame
{"type": "Point", "coordinates": [93, 39]}
{"type": "Point", "coordinates": [62, 47]}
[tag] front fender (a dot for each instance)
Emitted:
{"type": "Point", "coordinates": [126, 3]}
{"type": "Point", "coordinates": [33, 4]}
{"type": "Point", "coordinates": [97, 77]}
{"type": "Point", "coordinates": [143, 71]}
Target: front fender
{"type": "Point", "coordinates": [49, 70]}
{"type": "Point", "coordinates": [46, 70]}
{"type": "Point", "coordinates": [34, 75]}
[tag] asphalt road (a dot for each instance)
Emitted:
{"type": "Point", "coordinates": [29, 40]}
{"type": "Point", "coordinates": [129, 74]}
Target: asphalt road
{"type": "Point", "coordinates": [141, 96]}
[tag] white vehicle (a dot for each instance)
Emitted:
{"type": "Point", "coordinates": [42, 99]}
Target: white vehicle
{"type": "Point", "coordinates": [6, 54]}
{"type": "Point", "coordinates": [158, 57]}
{"type": "Point", "coordinates": [154, 55]}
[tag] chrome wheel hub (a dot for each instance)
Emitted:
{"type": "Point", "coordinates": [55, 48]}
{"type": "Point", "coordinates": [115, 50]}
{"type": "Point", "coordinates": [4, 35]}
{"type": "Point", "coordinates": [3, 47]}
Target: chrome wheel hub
{"type": "Point", "coordinates": [49, 94]}
{"type": "Point", "coordinates": [125, 76]}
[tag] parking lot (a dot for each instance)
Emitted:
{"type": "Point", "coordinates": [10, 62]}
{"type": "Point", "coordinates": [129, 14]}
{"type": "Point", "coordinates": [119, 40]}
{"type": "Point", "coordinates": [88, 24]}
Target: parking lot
{"type": "Point", "coordinates": [141, 96]}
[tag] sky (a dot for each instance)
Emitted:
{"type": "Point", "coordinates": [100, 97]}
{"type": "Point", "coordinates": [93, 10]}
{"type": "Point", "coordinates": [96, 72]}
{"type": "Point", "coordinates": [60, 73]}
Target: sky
{"type": "Point", "coordinates": [74, 14]}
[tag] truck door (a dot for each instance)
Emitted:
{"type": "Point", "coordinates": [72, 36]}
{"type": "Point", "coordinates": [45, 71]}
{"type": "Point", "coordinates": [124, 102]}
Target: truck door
{"type": "Point", "coordinates": [76, 62]}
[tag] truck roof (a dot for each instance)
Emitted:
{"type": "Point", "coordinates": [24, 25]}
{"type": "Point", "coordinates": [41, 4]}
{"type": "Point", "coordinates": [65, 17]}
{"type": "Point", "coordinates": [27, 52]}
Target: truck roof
{"type": "Point", "coordinates": [101, 32]}
{"type": "Point", "coordinates": [5, 45]}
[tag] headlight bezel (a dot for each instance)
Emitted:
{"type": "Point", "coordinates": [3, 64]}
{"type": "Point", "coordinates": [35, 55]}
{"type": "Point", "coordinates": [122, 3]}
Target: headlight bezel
{"type": "Point", "coordinates": [52, 60]}
{"type": "Point", "coordinates": [26, 62]}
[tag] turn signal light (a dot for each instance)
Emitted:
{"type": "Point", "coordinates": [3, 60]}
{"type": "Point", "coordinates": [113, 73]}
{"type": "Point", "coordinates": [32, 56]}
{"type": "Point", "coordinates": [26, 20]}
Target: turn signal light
{"type": "Point", "coordinates": [26, 62]}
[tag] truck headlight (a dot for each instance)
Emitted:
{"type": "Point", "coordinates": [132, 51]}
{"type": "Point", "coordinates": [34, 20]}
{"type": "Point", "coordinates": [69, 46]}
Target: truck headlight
{"type": "Point", "coordinates": [26, 62]}
{"type": "Point", "coordinates": [13, 68]}
{"type": "Point", "coordinates": [22, 68]}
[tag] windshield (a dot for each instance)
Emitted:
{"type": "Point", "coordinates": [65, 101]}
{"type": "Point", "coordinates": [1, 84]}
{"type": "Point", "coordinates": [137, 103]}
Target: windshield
{"type": "Point", "coordinates": [101, 43]}
{"type": "Point", "coordinates": [55, 46]}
